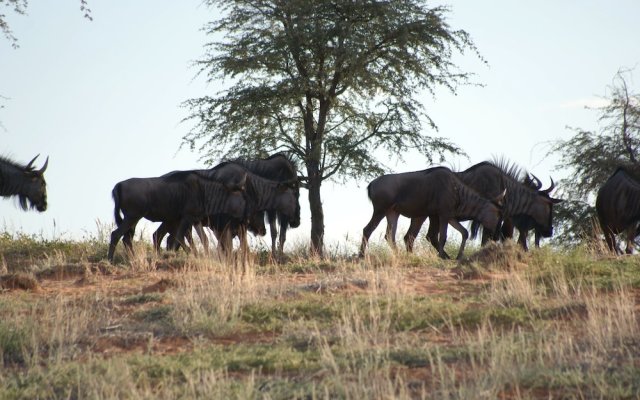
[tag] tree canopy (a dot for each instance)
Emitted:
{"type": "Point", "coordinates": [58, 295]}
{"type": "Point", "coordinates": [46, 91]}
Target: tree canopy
{"type": "Point", "coordinates": [594, 155]}
{"type": "Point", "coordinates": [334, 82]}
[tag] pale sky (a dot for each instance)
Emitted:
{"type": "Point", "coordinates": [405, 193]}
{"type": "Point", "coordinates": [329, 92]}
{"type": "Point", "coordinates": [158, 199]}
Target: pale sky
{"type": "Point", "coordinates": [102, 98]}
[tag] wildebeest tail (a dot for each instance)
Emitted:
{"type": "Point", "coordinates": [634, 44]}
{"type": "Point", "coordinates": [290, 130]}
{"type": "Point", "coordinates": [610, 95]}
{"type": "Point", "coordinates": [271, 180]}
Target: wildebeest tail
{"type": "Point", "coordinates": [115, 193]}
{"type": "Point", "coordinates": [475, 228]}
{"type": "Point", "coordinates": [369, 191]}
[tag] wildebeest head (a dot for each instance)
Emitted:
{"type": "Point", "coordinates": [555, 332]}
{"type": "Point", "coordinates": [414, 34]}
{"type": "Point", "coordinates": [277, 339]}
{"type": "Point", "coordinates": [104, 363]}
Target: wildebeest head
{"type": "Point", "coordinates": [34, 187]}
{"type": "Point", "coordinates": [232, 175]}
{"type": "Point", "coordinates": [288, 202]}
{"type": "Point", "coordinates": [542, 211]}
{"type": "Point", "coordinates": [490, 215]}
{"type": "Point", "coordinates": [256, 224]}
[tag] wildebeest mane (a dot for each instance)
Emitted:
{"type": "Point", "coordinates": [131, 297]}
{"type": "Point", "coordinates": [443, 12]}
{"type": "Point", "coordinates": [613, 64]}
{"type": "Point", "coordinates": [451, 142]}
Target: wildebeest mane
{"type": "Point", "coordinates": [6, 163]}
{"type": "Point", "coordinates": [509, 168]}
{"type": "Point", "coordinates": [632, 173]}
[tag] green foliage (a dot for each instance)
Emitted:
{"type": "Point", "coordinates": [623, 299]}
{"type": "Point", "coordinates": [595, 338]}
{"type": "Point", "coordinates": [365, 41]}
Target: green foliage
{"type": "Point", "coordinates": [575, 221]}
{"type": "Point", "coordinates": [155, 314]}
{"type": "Point", "coordinates": [273, 315]}
{"type": "Point", "coordinates": [20, 251]}
{"type": "Point", "coordinates": [13, 343]}
{"type": "Point", "coordinates": [336, 78]}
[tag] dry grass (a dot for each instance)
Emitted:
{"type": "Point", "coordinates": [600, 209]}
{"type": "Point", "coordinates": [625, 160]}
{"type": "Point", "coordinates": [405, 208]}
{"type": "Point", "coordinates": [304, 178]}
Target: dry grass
{"type": "Point", "coordinates": [543, 324]}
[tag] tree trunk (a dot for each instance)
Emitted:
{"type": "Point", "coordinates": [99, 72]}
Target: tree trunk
{"type": "Point", "coordinates": [315, 135]}
{"type": "Point", "coordinates": [317, 215]}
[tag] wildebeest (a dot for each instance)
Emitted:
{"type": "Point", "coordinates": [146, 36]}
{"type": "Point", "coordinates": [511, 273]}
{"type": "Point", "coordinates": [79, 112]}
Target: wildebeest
{"type": "Point", "coordinates": [25, 182]}
{"type": "Point", "coordinates": [234, 178]}
{"type": "Point", "coordinates": [524, 223]}
{"type": "Point", "coordinates": [434, 192]}
{"type": "Point", "coordinates": [618, 208]}
{"type": "Point", "coordinates": [490, 179]}
{"type": "Point", "coordinates": [276, 171]}
{"type": "Point", "coordinates": [278, 167]}
{"type": "Point", "coordinates": [183, 198]}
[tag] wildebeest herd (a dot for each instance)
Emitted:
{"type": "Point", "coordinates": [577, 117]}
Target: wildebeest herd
{"type": "Point", "coordinates": [237, 196]}
{"type": "Point", "coordinates": [492, 195]}
{"type": "Point", "coordinates": [229, 198]}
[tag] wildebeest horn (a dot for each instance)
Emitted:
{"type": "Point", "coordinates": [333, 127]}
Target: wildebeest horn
{"type": "Point", "coordinates": [500, 197]}
{"type": "Point", "coordinates": [44, 166]}
{"type": "Point", "coordinates": [553, 185]}
{"type": "Point", "coordinates": [31, 162]}
{"type": "Point", "coordinates": [293, 182]}
{"type": "Point", "coordinates": [537, 182]}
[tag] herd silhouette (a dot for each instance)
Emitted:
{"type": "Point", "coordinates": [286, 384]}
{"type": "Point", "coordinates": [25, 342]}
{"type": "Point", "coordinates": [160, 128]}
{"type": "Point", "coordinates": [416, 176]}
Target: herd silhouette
{"type": "Point", "coordinates": [238, 195]}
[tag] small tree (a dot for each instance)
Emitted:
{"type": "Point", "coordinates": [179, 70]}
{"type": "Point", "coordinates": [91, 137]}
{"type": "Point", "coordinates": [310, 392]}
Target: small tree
{"type": "Point", "coordinates": [594, 156]}
{"type": "Point", "coordinates": [333, 82]}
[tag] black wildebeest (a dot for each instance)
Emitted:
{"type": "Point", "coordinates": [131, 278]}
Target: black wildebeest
{"type": "Point", "coordinates": [434, 192]}
{"type": "Point", "coordinates": [490, 179]}
{"type": "Point", "coordinates": [618, 208]}
{"type": "Point", "coordinates": [25, 182]}
{"type": "Point", "coordinates": [183, 198]}
{"type": "Point", "coordinates": [278, 167]}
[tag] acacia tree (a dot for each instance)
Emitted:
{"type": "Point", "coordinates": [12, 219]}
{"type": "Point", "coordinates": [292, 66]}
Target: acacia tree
{"type": "Point", "coordinates": [334, 82]}
{"type": "Point", "coordinates": [594, 155]}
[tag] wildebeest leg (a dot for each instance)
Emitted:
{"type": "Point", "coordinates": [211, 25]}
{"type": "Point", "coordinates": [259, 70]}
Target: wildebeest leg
{"type": "Point", "coordinates": [465, 235]}
{"type": "Point", "coordinates": [485, 237]}
{"type": "Point", "coordinates": [610, 238]}
{"type": "Point", "coordinates": [188, 236]}
{"type": "Point", "coordinates": [273, 228]}
{"type": "Point", "coordinates": [284, 223]}
{"type": "Point", "coordinates": [218, 236]}
{"type": "Point", "coordinates": [368, 230]}
{"type": "Point", "coordinates": [630, 235]}
{"type": "Point", "coordinates": [432, 234]}
{"type": "Point", "coordinates": [203, 237]}
{"type": "Point", "coordinates": [225, 243]}
{"type": "Point", "coordinates": [244, 247]}
{"type": "Point", "coordinates": [127, 239]}
{"type": "Point", "coordinates": [159, 234]}
{"type": "Point", "coordinates": [174, 245]}
{"type": "Point", "coordinates": [507, 228]}
{"type": "Point", "coordinates": [522, 239]}
{"type": "Point", "coordinates": [412, 232]}
{"type": "Point", "coordinates": [180, 233]}
{"type": "Point", "coordinates": [537, 239]}
{"type": "Point", "coordinates": [392, 226]}
{"type": "Point", "coordinates": [122, 230]}
{"type": "Point", "coordinates": [442, 239]}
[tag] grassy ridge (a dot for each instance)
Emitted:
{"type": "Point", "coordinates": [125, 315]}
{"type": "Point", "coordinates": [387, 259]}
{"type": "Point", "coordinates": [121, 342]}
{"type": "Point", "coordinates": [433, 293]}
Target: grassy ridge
{"type": "Point", "coordinates": [503, 324]}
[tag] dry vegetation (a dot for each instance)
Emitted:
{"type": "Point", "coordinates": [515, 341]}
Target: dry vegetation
{"type": "Point", "coordinates": [502, 324]}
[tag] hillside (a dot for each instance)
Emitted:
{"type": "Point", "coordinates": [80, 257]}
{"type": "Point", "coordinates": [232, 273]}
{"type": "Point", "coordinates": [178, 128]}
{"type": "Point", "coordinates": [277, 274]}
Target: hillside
{"type": "Point", "coordinates": [503, 324]}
